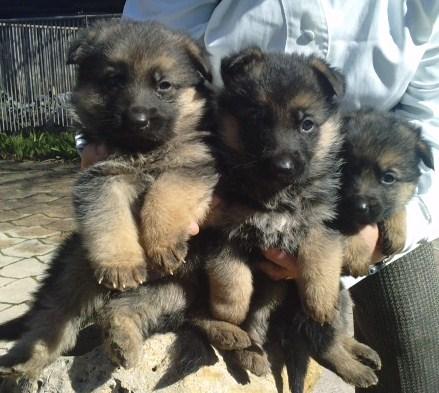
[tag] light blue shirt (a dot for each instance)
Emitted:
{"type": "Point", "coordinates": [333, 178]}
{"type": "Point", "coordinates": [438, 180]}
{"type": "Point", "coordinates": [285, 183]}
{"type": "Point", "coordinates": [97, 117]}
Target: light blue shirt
{"type": "Point", "coordinates": [387, 49]}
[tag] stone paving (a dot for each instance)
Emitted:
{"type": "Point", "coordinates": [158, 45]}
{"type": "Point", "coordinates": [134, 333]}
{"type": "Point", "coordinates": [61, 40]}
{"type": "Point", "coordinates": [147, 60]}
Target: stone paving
{"type": "Point", "coordinates": [35, 215]}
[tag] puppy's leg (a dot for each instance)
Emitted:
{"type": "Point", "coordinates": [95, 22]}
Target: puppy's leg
{"type": "Point", "coordinates": [174, 201]}
{"type": "Point", "coordinates": [320, 258]}
{"type": "Point", "coordinates": [68, 297]}
{"type": "Point", "coordinates": [330, 345]}
{"type": "Point", "coordinates": [393, 233]}
{"type": "Point", "coordinates": [133, 316]}
{"type": "Point", "coordinates": [269, 296]}
{"type": "Point", "coordinates": [230, 286]}
{"type": "Point", "coordinates": [356, 259]}
{"type": "Point", "coordinates": [352, 361]}
{"type": "Point", "coordinates": [104, 197]}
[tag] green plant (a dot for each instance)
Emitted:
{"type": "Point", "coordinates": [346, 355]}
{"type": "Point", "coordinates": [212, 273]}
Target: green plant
{"type": "Point", "coordinates": [37, 146]}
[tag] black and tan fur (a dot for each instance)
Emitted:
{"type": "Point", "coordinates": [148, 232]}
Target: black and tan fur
{"type": "Point", "coordinates": [280, 171]}
{"type": "Point", "coordinates": [249, 200]}
{"type": "Point", "coordinates": [381, 156]}
{"type": "Point", "coordinates": [141, 90]}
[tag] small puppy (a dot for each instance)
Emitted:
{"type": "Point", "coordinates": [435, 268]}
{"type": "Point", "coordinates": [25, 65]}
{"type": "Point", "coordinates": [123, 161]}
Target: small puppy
{"type": "Point", "coordinates": [141, 90]}
{"type": "Point", "coordinates": [280, 177]}
{"type": "Point", "coordinates": [380, 173]}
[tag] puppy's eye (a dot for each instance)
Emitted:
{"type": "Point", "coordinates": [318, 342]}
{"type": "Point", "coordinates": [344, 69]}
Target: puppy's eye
{"type": "Point", "coordinates": [388, 178]}
{"type": "Point", "coordinates": [164, 86]}
{"type": "Point", "coordinates": [307, 124]}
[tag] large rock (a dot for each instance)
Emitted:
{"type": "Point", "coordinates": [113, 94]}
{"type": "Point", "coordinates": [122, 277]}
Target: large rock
{"type": "Point", "coordinates": [171, 363]}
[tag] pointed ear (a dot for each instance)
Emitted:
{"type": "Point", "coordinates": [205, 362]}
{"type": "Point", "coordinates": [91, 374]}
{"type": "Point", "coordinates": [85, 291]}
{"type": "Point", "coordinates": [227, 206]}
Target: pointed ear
{"type": "Point", "coordinates": [199, 58]}
{"type": "Point", "coordinates": [331, 79]}
{"type": "Point", "coordinates": [241, 63]}
{"type": "Point", "coordinates": [81, 47]}
{"type": "Point", "coordinates": [423, 150]}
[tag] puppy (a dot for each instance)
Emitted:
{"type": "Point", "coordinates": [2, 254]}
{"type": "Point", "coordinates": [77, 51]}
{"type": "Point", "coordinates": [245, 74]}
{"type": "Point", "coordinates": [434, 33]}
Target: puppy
{"type": "Point", "coordinates": [280, 177]}
{"type": "Point", "coordinates": [141, 90]}
{"type": "Point", "coordinates": [381, 156]}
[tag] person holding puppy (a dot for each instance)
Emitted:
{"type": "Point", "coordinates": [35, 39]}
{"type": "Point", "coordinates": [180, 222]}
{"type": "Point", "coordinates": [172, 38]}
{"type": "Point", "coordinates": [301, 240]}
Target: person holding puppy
{"type": "Point", "coordinates": [389, 52]}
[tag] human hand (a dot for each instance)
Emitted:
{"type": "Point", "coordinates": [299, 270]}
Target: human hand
{"type": "Point", "coordinates": [92, 153]}
{"type": "Point", "coordinates": [279, 265]}
{"type": "Point", "coordinates": [371, 236]}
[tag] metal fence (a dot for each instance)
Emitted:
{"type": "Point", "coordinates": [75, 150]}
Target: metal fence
{"type": "Point", "coordinates": [34, 79]}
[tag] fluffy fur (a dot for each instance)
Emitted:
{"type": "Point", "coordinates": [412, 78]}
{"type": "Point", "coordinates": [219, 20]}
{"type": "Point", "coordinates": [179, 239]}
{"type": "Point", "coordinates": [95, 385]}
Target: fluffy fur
{"type": "Point", "coordinates": [280, 171]}
{"type": "Point", "coordinates": [141, 90]}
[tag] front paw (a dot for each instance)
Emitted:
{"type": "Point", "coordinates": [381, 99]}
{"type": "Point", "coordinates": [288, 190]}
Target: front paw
{"type": "Point", "coordinates": [167, 258]}
{"type": "Point", "coordinates": [122, 275]}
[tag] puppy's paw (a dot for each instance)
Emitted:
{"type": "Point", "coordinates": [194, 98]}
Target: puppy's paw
{"type": "Point", "coordinates": [360, 375]}
{"type": "Point", "coordinates": [354, 362]}
{"type": "Point", "coordinates": [363, 353]}
{"type": "Point", "coordinates": [226, 336]}
{"type": "Point", "coordinates": [168, 258]}
{"type": "Point", "coordinates": [253, 359]}
{"type": "Point", "coordinates": [123, 342]}
{"type": "Point", "coordinates": [123, 274]}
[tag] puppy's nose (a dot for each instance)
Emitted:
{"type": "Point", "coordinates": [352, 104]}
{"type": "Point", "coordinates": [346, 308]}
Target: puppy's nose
{"type": "Point", "coordinates": [283, 163]}
{"type": "Point", "coordinates": [361, 206]}
{"type": "Point", "coordinates": [139, 116]}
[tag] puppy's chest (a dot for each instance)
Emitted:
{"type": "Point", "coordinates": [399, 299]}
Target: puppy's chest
{"type": "Point", "coordinates": [262, 230]}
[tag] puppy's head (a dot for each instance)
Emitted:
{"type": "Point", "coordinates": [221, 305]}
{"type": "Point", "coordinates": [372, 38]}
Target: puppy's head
{"type": "Point", "coordinates": [382, 155]}
{"type": "Point", "coordinates": [279, 115]}
{"type": "Point", "coordinates": [137, 84]}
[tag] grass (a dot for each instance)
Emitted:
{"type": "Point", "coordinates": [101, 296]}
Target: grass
{"type": "Point", "coordinates": [37, 146]}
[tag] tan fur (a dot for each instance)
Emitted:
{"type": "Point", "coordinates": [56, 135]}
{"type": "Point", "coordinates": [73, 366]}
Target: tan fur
{"type": "Point", "coordinates": [123, 338]}
{"type": "Point", "coordinates": [356, 259]}
{"type": "Point", "coordinates": [231, 286]}
{"type": "Point", "coordinates": [111, 236]}
{"type": "Point", "coordinates": [303, 101]}
{"type": "Point", "coordinates": [329, 135]}
{"type": "Point", "coordinates": [320, 257]}
{"type": "Point", "coordinates": [171, 205]}
{"type": "Point", "coordinates": [389, 159]}
{"type": "Point", "coordinates": [393, 233]}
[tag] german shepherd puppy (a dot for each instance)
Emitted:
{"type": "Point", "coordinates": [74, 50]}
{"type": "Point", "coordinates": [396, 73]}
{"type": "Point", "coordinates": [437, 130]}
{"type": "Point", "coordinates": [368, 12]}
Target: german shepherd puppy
{"type": "Point", "coordinates": [141, 89]}
{"type": "Point", "coordinates": [280, 176]}
{"type": "Point", "coordinates": [381, 156]}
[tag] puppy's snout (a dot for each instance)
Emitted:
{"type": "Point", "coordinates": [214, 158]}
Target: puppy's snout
{"type": "Point", "coordinates": [139, 116]}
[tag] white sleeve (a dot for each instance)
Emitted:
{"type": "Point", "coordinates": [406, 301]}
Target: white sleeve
{"type": "Point", "coordinates": [420, 105]}
{"type": "Point", "coordinates": [190, 16]}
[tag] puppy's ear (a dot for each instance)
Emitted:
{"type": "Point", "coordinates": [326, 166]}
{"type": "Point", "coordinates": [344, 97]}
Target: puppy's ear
{"type": "Point", "coordinates": [423, 150]}
{"type": "Point", "coordinates": [199, 58]}
{"type": "Point", "coordinates": [332, 80]}
{"type": "Point", "coordinates": [241, 63]}
{"type": "Point", "coordinates": [81, 47]}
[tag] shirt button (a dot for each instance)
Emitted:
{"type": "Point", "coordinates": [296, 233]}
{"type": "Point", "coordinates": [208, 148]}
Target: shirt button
{"type": "Point", "coordinates": [306, 37]}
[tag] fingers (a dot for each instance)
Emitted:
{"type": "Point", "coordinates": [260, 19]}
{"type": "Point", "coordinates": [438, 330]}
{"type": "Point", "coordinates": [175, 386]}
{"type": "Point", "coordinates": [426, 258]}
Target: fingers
{"type": "Point", "coordinates": [280, 265]}
{"type": "Point", "coordinates": [276, 272]}
{"type": "Point", "coordinates": [194, 229]}
{"type": "Point", "coordinates": [93, 153]}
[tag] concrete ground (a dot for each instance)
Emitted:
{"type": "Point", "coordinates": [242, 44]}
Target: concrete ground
{"type": "Point", "coordinates": [35, 215]}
